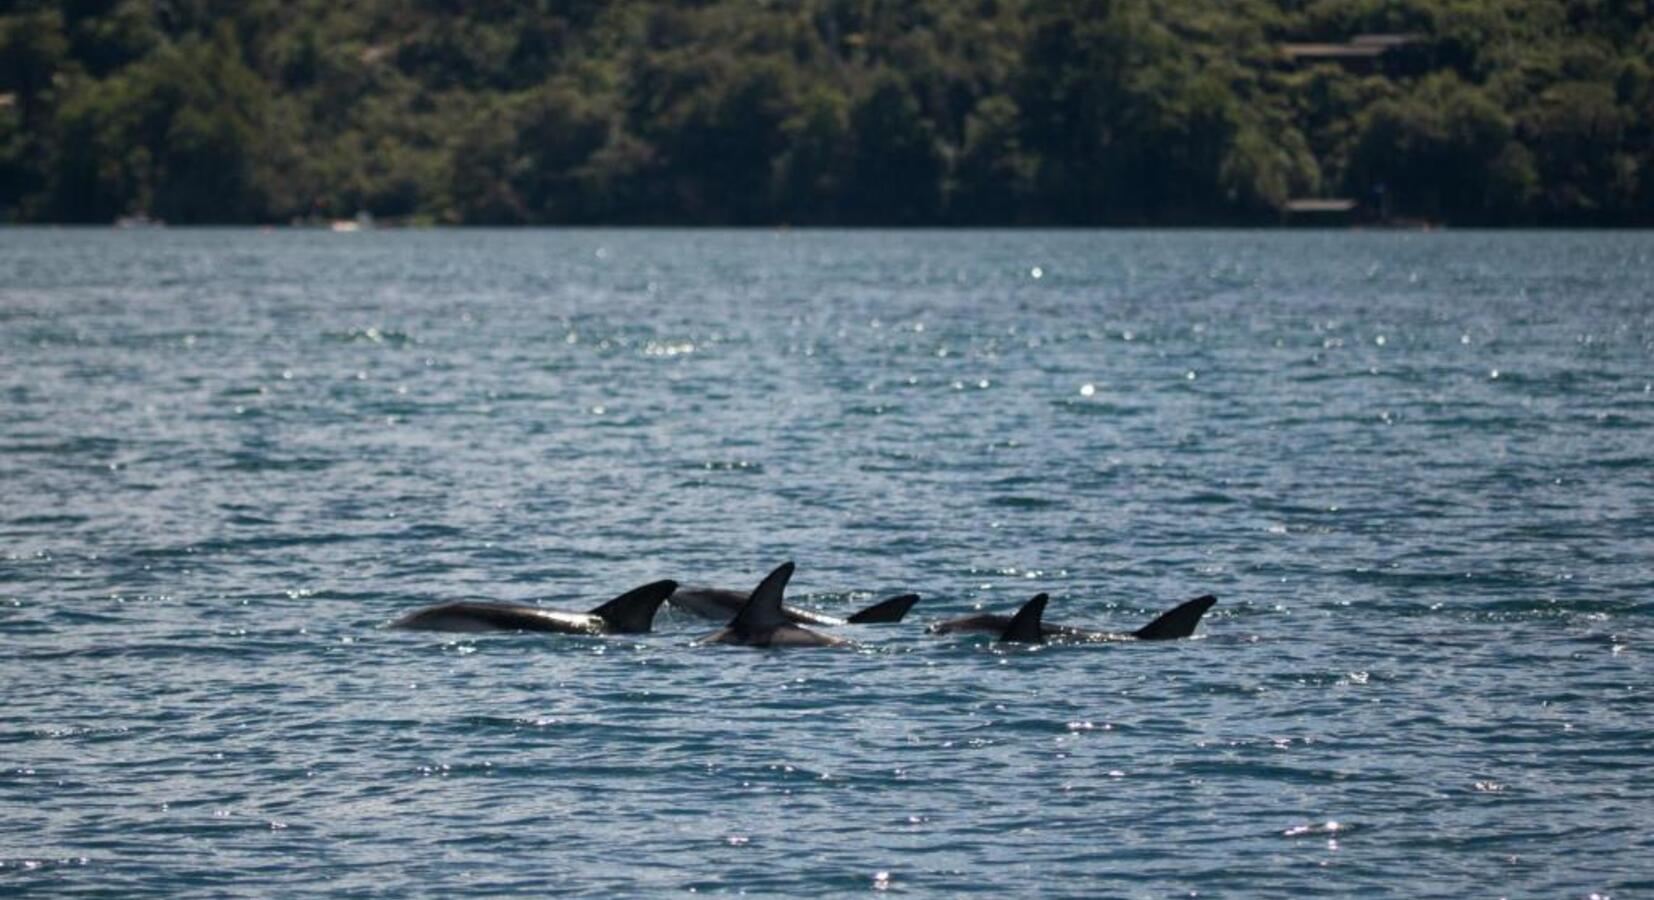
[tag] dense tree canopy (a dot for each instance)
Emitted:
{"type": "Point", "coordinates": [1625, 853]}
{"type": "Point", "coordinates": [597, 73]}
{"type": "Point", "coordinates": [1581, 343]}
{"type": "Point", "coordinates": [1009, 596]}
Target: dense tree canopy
{"type": "Point", "coordinates": [823, 111]}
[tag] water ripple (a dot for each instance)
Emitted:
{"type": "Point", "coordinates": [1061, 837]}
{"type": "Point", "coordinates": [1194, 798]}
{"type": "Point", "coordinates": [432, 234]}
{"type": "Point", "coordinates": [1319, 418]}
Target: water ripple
{"type": "Point", "coordinates": [228, 458]}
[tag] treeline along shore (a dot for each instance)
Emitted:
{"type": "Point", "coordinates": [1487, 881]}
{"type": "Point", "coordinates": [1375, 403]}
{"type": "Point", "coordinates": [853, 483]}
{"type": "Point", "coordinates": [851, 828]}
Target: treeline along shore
{"type": "Point", "coordinates": [829, 112]}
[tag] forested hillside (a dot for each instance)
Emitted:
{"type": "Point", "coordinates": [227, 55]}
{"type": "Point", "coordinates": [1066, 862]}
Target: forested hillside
{"type": "Point", "coordinates": [890, 112]}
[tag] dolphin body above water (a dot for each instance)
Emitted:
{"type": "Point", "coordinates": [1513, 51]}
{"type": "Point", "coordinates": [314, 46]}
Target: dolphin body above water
{"type": "Point", "coordinates": [631, 613]}
{"type": "Point", "coordinates": [763, 621]}
{"type": "Point", "coordinates": [720, 603]}
{"type": "Point", "coordinates": [1027, 627]}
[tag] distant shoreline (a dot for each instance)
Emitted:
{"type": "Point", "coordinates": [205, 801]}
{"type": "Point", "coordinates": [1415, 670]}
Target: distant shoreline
{"type": "Point", "coordinates": [782, 229]}
{"type": "Point", "coordinates": [1006, 113]}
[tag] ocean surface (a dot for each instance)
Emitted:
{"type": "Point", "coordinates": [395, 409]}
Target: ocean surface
{"type": "Point", "coordinates": [1417, 470]}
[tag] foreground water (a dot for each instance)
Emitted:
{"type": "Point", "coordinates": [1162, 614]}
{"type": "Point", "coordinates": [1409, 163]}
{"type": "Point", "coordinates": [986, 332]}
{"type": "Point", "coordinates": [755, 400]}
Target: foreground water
{"type": "Point", "coordinates": [1414, 467]}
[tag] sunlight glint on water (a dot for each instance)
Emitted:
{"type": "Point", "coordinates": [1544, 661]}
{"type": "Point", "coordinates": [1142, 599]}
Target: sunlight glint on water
{"type": "Point", "coordinates": [1413, 467]}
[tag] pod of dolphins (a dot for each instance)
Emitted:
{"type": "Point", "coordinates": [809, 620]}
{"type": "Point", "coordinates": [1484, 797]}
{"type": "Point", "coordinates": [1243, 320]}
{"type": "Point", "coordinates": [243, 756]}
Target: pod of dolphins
{"type": "Point", "coordinates": [761, 619]}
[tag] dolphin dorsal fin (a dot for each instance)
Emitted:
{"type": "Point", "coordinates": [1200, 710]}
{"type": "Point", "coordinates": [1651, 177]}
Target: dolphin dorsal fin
{"type": "Point", "coordinates": [885, 611]}
{"type": "Point", "coordinates": [1177, 622]}
{"type": "Point", "coordinates": [763, 610]}
{"type": "Point", "coordinates": [1025, 628]}
{"type": "Point", "coordinates": [634, 611]}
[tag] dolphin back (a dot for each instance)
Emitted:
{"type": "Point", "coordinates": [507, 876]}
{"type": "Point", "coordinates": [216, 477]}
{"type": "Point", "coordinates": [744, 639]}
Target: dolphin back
{"type": "Point", "coordinates": [634, 611]}
{"type": "Point", "coordinates": [1177, 622]}
{"type": "Point", "coordinates": [1025, 627]}
{"type": "Point", "coordinates": [885, 612]}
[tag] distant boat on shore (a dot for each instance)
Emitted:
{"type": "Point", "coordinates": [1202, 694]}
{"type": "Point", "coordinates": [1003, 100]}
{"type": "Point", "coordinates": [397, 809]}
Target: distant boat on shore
{"type": "Point", "coordinates": [362, 222]}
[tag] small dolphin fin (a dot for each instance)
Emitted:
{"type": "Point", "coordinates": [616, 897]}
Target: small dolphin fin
{"type": "Point", "coordinates": [1025, 628]}
{"type": "Point", "coordinates": [885, 612]}
{"type": "Point", "coordinates": [1177, 622]}
{"type": "Point", "coordinates": [763, 609]}
{"type": "Point", "coordinates": [634, 611]}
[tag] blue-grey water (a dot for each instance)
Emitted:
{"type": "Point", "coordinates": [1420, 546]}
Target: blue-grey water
{"type": "Point", "coordinates": [1415, 468]}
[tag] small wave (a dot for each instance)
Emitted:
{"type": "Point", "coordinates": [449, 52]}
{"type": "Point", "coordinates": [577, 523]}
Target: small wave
{"type": "Point", "coordinates": [70, 446]}
{"type": "Point", "coordinates": [1096, 408]}
{"type": "Point", "coordinates": [257, 462]}
{"type": "Point", "coordinates": [37, 520]}
{"type": "Point", "coordinates": [268, 542]}
{"type": "Point", "coordinates": [1025, 502]}
{"type": "Point", "coordinates": [1242, 769]}
{"type": "Point", "coordinates": [371, 335]}
{"type": "Point", "coordinates": [727, 465]}
{"type": "Point", "coordinates": [876, 409]}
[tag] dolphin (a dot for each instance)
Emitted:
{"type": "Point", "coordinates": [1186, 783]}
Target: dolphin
{"type": "Point", "coordinates": [763, 621]}
{"type": "Point", "coordinates": [1026, 626]}
{"type": "Point", "coordinates": [630, 613]}
{"type": "Point", "coordinates": [721, 603]}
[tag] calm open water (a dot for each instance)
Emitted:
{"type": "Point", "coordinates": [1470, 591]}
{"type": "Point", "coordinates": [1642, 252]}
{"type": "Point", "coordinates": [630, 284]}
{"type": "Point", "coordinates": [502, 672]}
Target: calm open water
{"type": "Point", "coordinates": [1416, 469]}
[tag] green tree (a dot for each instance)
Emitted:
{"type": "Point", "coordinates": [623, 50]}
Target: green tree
{"type": "Point", "coordinates": [559, 134]}
{"type": "Point", "coordinates": [812, 169]}
{"type": "Point", "coordinates": [994, 177]}
{"type": "Point", "coordinates": [897, 168]}
{"type": "Point", "coordinates": [485, 165]}
{"type": "Point", "coordinates": [32, 50]}
{"type": "Point", "coordinates": [1576, 131]}
{"type": "Point", "coordinates": [1445, 147]}
{"type": "Point", "coordinates": [821, 111]}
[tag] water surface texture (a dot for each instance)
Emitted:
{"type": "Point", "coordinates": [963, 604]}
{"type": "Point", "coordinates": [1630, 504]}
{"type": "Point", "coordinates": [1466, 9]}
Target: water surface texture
{"type": "Point", "coordinates": [1415, 468]}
